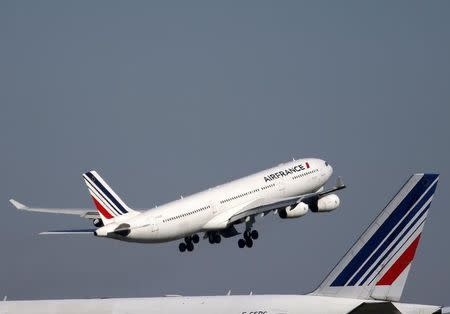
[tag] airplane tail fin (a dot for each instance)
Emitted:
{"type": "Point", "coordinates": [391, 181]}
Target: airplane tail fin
{"type": "Point", "coordinates": [377, 265]}
{"type": "Point", "coordinates": [108, 203]}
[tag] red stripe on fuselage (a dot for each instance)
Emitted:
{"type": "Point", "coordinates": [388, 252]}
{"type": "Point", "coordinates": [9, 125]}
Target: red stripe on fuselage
{"type": "Point", "coordinates": [101, 209]}
{"type": "Point", "coordinates": [400, 264]}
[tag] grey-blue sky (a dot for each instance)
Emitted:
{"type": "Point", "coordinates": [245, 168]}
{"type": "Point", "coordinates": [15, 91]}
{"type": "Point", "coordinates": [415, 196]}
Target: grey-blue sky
{"type": "Point", "coordinates": [168, 98]}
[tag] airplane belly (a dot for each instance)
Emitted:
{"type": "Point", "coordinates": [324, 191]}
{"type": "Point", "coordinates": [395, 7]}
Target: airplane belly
{"type": "Point", "coordinates": [174, 231]}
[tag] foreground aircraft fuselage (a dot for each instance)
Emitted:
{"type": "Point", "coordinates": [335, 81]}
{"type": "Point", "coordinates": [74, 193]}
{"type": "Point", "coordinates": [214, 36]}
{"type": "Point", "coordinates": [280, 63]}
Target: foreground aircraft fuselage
{"type": "Point", "coordinates": [254, 304]}
{"type": "Point", "coordinates": [291, 189]}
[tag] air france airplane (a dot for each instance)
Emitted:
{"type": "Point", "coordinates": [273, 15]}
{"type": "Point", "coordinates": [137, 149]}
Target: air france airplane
{"type": "Point", "coordinates": [369, 278]}
{"type": "Point", "coordinates": [291, 190]}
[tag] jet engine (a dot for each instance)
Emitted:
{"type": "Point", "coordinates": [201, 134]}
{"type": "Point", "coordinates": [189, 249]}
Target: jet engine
{"type": "Point", "coordinates": [299, 210]}
{"type": "Point", "coordinates": [98, 222]}
{"type": "Point", "coordinates": [328, 203]}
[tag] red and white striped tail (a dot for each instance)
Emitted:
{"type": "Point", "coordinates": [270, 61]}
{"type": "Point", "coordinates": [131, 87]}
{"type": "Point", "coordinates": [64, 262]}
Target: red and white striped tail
{"type": "Point", "coordinates": [108, 203]}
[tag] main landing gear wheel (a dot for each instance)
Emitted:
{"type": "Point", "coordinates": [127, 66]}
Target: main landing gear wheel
{"type": "Point", "coordinates": [214, 238]}
{"type": "Point", "coordinates": [249, 236]}
{"type": "Point", "coordinates": [188, 243]}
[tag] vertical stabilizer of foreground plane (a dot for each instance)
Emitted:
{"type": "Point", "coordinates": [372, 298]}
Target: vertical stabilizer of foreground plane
{"type": "Point", "coordinates": [108, 203]}
{"type": "Point", "coordinates": [377, 265]}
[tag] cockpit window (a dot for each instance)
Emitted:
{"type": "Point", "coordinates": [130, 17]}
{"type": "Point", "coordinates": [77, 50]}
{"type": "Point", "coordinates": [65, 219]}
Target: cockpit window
{"type": "Point", "coordinates": [326, 164]}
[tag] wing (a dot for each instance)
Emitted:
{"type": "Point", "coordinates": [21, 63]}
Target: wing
{"type": "Point", "coordinates": [264, 207]}
{"type": "Point", "coordinates": [84, 213]}
{"type": "Point", "coordinates": [72, 231]}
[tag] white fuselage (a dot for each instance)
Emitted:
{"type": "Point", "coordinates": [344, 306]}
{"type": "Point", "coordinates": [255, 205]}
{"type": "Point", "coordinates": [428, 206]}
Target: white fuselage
{"type": "Point", "coordinates": [210, 209]}
{"type": "Point", "coordinates": [254, 304]}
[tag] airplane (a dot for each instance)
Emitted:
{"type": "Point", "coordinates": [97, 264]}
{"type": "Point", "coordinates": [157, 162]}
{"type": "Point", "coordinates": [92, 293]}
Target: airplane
{"type": "Point", "coordinates": [369, 278]}
{"type": "Point", "coordinates": [291, 190]}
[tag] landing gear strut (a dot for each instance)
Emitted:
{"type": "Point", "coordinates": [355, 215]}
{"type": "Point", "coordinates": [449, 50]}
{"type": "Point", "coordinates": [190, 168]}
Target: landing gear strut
{"type": "Point", "coordinates": [188, 243]}
{"type": "Point", "coordinates": [247, 241]}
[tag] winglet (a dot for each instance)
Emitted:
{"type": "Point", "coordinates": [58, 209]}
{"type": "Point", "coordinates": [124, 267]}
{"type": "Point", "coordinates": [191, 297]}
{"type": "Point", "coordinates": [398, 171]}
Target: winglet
{"type": "Point", "coordinates": [340, 183]}
{"type": "Point", "coordinates": [18, 205]}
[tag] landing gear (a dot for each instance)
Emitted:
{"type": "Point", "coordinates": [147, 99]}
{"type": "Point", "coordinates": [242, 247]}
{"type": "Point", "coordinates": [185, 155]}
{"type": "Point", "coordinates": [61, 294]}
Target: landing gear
{"type": "Point", "coordinates": [247, 241]}
{"type": "Point", "coordinates": [214, 238]}
{"type": "Point", "coordinates": [188, 244]}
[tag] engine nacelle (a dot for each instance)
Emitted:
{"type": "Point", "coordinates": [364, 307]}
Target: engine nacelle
{"type": "Point", "coordinates": [328, 203]}
{"type": "Point", "coordinates": [299, 210]}
{"type": "Point", "coordinates": [98, 222]}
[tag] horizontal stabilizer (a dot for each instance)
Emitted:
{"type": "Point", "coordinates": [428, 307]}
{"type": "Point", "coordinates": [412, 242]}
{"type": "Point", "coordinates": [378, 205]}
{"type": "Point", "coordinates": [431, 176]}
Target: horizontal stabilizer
{"type": "Point", "coordinates": [75, 231]}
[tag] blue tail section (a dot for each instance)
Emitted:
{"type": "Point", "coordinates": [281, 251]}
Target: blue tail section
{"type": "Point", "coordinates": [382, 255]}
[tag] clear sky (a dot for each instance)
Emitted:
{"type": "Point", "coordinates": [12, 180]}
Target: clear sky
{"type": "Point", "coordinates": [167, 98]}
